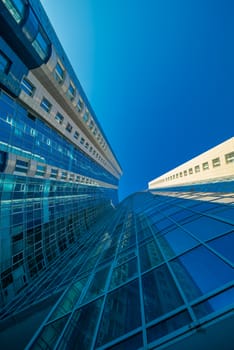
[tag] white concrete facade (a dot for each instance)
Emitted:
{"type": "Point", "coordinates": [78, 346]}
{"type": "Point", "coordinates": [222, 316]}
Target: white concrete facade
{"type": "Point", "coordinates": [214, 164]}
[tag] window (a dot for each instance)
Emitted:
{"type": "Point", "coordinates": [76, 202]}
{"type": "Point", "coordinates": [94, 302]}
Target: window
{"type": "Point", "coordinates": [95, 131]}
{"type": "Point", "coordinates": [59, 118]}
{"type": "Point", "coordinates": [41, 45]}
{"type": "Point", "coordinates": [216, 162]}
{"type": "Point", "coordinates": [64, 175]}
{"type": "Point", "coordinates": [46, 105]}
{"type": "Point", "coordinates": [82, 141]}
{"type": "Point", "coordinates": [87, 145]}
{"type": "Point", "coordinates": [190, 171]}
{"type": "Point", "coordinates": [91, 124]}
{"type": "Point", "coordinates": [54, 173]}
{"type": "Point", "coordinates": [80, 105]}
{"type": "Point", "coordinates": [16, 9]}
{"type": "Point", "coordinates": [21, 166]}
{"type": "Point", "coordinates": [205, 166]}
{"type": "Point", "coordinates": [27, 87]}
{"type": "Point", "coordinates": [185, 172]}
{"type": "Point", "coordinates": [86, 117]}
{"type": "Point", "coordinates": [59, 73]}
{"type": "Point", "coordinates": [69, 127]}
{"type": "Point", "coordinates": [197, 169]}
{"type": "Point", "coordinates": [41, 169]}
{"type": "Point", "coordinates": [71, 92]}
{"type": "Point", "coordinates": [5, 63]}
{"type": "Point", "coordinates": [229, 157]}
{"type": "Point", "coordinates": [181, 174]}
{"type": "Point", "coordinates": [76, 135]}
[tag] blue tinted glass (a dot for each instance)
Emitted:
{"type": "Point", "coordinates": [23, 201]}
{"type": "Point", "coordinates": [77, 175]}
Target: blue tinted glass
{"type": "Point", "coordinates": [132, 343]}
{"type": "Point", "coordinates": [97, 285]}
{"type": "Point", "coordinates": [201, 271]}
{"type": "Point", "coordinates": [206, 228]}
{"type": "Point", "coordinates": [160, 293]}
{"type": "Point", "coordinates": [122, 310]}
{"type": "Point", "coordinates": [225, 246]}
{"type": "Point", "coordinates": [79, 333]}
{"type": "Point", "coordinates": [227, 213]}
{"type": "Point", "coordinates": [175, 242]}
{"type": "Point", "coordinates": [216, 303]}
{"type": "Point", "coordinates": [149, 255]}
{"type": "Point", "coordinates": [123, 273]}
{"type": "Point", "coordinates": [168, 326]}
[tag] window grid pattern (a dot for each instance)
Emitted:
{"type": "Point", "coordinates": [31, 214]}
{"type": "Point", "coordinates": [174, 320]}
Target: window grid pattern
{"type": "Point", "coordinates": [140, 274]}
{"type": "Point", "coordinates": [33, 139]}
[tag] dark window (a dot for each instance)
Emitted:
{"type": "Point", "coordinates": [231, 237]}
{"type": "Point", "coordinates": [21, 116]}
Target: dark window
{"type": "Point", "coordinates": [59, 118]}
{"type": "Point", "coordinates": [71, 92]}
{"type": "Point", "coordinates": [27, 86]}
{"type": "Point", "coordinates": [229, 157]}
{"type": "Point", "coordinates": [76, 135]}
{"type": "Point", "coordinates": [59, 72]}
{"type": "Point", "coordinates": [80, 105]}
{"type": "Point", "coordinates": [69, 127]}
{"type": "Point", "coordinates": [46, 105]}
{"type": "Point", "coordinates": [216, 162]}
{"type": "Point", "coordinates": [205, 166]}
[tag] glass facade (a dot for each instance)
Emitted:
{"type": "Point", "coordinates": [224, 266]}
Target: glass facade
{"type": "Point", "coordinates": [149, 274]}
{"type": "Point", "coordinates": [78, 270]}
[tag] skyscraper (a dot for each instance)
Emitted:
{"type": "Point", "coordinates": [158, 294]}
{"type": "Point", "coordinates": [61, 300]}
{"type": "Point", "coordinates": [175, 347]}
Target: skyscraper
{"type": "Point", "coordinates": [58, 171]}
{"type": "Point", "coordinates": [79, 270]}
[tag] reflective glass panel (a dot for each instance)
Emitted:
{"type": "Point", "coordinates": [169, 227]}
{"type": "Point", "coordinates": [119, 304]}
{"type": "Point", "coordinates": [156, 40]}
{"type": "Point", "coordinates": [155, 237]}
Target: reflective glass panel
{"type": "Point", "coordinates": [160, 293]}
{"type": "Point", "coordinates": [168, 326]}
{"type": "Point", "coordinates": [69, 299]}
{"type": "Point", "coordinates": [206, 228]}
{"type": "Point", "coordinates": [201, 271]}
{"type": "Point", "coordinates": [98, 284]}
{"type": "Point", "coordinates": [225, 246]}
{"type": "Point", "coordinates": [80, 330]}
{"type": "Point", "coordinates": [149, 255]}
{"type": "Point", "coordinates": [132, 343]}
{"type": "Point", "coordinates": [175, 242]}
{"type": "Point", "coordinates": [121, 313]}
{"type": "Point", "coordinates": [50, 334]}
{"type": "Point", "coordinates": [218, 302]}
{"type": "Point", "coordinates": [123, 273]}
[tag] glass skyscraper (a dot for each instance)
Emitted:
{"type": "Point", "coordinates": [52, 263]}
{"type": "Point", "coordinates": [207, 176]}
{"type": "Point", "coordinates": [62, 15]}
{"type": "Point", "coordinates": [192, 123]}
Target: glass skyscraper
{"type": "Point", "coordinates": [79, 270]}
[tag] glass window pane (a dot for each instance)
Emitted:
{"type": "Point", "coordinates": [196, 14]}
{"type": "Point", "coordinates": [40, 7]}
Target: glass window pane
{"type": "Point", "coordinates": [160, 293]}
{"type": "Point", "coordinates": [205, 228]}
{"type": "Point", "coordinates": [50, 334]}
{"type": "Point", "coordinates": [41, 46]}
{"type": "Point", "coordinates": [123, 273]}
{"type": "Point", "coordinates": [98, 284]}
{"type": "Point", "coordinates": [79, 333]}
{"type": "Point", "coordinates": [168, 326]}
{"type": "Point", "coordinates": [225, 246]}
{"type": "Point", "coordinates": [121, 313]}
{"type": "Point", "coordinates": [149, 255]}
{"type": "Point", "coordinates": [201, 271]}
{"type": "Point", "coordinates": [175, 242]}
{"type": "Point", "coordinates": [216, 303]}
{"type": "Point", "coordinates": [16, 9]}
{"type": "Point", "coordinates": [132, 343]}
{"type": "Point", "coordinates": [69, 299]}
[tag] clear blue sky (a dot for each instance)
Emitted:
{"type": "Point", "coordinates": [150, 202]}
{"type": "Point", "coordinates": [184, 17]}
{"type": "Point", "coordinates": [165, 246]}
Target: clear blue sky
{"type": "Point", "coordinates": [158, 73]}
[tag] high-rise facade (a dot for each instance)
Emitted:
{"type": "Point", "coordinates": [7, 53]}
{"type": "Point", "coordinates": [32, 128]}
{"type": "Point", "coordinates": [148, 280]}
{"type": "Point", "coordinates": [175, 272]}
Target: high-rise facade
{"type": "Point", "coordinates": [58, 173]}
{"type": "Point", "coordinates": [78, 270]}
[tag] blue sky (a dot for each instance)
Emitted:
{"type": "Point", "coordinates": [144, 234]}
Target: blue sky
{"type": "Point", "coordinates": [159, 75]}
